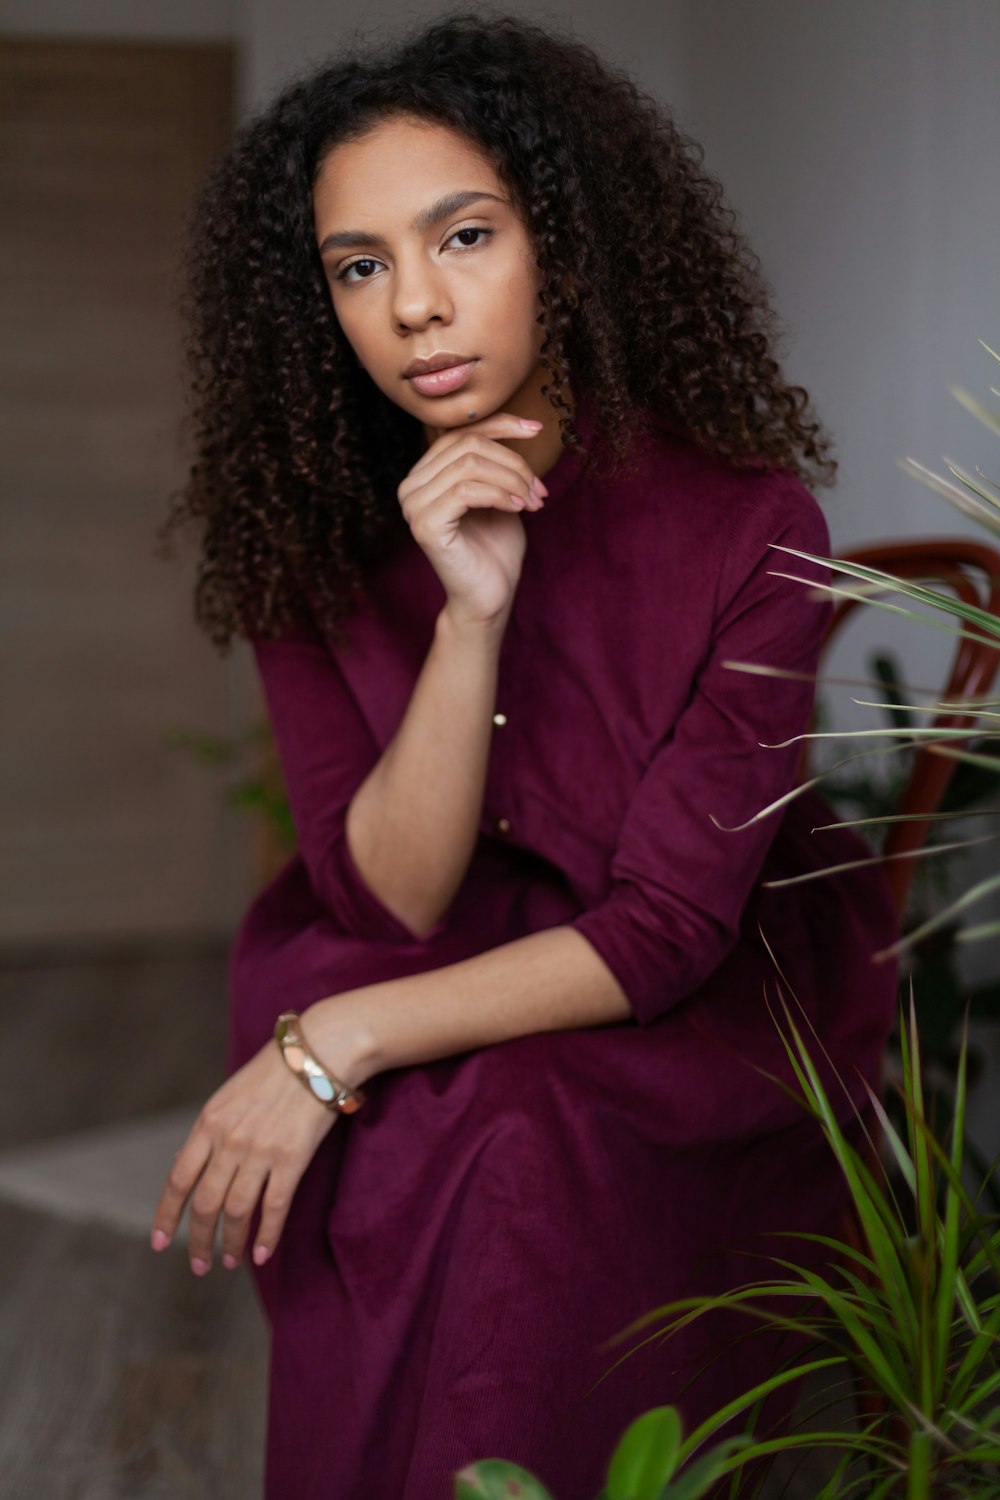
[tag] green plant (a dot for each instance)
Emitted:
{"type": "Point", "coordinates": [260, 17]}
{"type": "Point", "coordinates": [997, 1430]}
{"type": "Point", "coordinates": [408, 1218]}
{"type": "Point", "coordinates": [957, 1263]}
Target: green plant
{"type": "Point", "coordinates": [915, 1314]}
{"type": "Point", "coordinates": [259, 789]}
{"type": "Point", "coordinates": [942, 997]}
{"type": "Point", "coordinates": [643, 1467]}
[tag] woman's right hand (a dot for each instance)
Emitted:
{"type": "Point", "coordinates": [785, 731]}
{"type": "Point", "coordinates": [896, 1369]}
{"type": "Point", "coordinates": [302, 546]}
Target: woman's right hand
{"type": "Point", "coordinates": [461, 500]}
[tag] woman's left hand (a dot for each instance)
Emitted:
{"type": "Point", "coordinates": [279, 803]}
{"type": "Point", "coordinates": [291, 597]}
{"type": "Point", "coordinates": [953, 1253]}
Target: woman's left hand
{"type": "Point", "coordinates": [258, 1132]}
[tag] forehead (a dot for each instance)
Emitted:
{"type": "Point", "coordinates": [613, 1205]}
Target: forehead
{"type": "Point", "coordinates": [400, 164]}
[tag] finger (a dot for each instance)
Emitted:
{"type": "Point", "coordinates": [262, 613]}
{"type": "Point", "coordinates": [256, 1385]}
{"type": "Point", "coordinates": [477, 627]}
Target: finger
{"type": "Point", "coordinates": [502, 424]}
{"type": "Point", "coordinates": [237, 1210]}
{"type": "Point", "coordinates": [464, 482]}
{"type": "Point", "coordinates": [187, 1167]}
{"type": "Point", "coordinates": [477, 458]}
{"type": "Point", "coordinates": [281, 1184]}
{"type": "Point", "coordinates": [458, 499]}
{"type": "Point", "coordinates": [206, 1205]}
{"type": "Point", "coordinates": [508, 477]}
{"type": "Point", "coordinates": [499, 424]}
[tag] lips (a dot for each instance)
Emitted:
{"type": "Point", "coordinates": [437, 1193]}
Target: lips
{"type": "Point", "coordinates": [440, 361]}
{"type": "Point", "coordinates": [443, 381]}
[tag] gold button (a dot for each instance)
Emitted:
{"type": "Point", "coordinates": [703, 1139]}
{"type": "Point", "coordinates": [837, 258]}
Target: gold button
{"type": "Point", "coordinates": [499, 718]}
{"type": "Point", "coordinates": [502, 825]}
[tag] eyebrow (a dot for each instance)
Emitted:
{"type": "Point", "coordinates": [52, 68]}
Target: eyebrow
{"type": "Point", "coordinates": [451, 203]}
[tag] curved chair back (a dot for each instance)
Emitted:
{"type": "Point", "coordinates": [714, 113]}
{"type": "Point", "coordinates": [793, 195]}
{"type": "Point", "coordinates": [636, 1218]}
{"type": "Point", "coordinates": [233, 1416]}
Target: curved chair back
{"type": "Point", "coordinates": [972, 569]}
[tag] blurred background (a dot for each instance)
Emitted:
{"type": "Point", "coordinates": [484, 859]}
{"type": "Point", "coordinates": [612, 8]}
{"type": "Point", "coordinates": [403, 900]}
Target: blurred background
{"type": "Point", "coordinates": [854, 141]}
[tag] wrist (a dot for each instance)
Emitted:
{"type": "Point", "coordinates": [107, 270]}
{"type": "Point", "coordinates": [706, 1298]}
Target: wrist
{"type": "Point", "coordinates": [452, 626]}
{"type": "Point", "coordinates": [337, 1032]}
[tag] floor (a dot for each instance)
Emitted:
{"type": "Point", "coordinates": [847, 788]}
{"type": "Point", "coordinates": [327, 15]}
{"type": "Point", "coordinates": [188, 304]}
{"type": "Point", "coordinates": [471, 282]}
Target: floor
{"type": "Point", "coordinates": [122, 1375]}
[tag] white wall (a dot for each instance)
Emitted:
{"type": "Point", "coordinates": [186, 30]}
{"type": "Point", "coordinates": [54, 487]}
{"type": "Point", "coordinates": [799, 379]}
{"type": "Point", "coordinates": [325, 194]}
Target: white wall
{"type": "Point", "coordinates": [855, 140]}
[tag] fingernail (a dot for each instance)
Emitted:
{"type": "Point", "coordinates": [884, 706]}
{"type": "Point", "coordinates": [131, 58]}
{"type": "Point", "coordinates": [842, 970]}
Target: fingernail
{"type": "Point", "coordinates": [200, 1267]}
{"type": "Point", "coordinates": [518, 500]}
{"type": "Point", "coordinates": [229, 1261]}
{"type": "Point", "coordinates": [159, 1240]}
{"type": "Point", "coordinates": [531, 424]}
{"type": "Point", "coordinates": [260, 1254]}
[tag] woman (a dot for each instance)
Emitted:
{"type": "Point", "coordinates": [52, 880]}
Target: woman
{"type": "Point", "coordinates": [492, 611]}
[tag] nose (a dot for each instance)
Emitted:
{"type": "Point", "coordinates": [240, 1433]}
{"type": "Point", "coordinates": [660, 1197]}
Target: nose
{"type": "Point", "coordinates": [419, 294]}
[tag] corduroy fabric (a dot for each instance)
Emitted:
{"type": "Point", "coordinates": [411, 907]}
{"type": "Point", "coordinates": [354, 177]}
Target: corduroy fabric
{"type": "Point", "coordinates": [459, 1250]}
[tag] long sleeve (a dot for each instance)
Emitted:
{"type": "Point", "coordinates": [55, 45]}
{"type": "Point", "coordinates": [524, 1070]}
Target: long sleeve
{"type": "Point", "coordinates": [679, 884]}
{"type": "Point", "coordinates": [326, 750]}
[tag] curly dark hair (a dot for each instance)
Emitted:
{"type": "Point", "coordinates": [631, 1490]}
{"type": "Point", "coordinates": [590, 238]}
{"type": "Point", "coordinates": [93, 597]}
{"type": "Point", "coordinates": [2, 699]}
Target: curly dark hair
{"type": "Point", "coordinates": [299, 454]}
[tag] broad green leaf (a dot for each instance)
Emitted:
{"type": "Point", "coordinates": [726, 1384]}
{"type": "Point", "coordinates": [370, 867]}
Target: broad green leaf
{"type": "Point", "coordinates": [646, 1456]}
{"type": "Point", "coordinates": [495, 1479]}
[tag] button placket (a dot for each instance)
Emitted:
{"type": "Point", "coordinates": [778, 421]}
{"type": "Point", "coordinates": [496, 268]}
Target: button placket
{"type": "Point", "coordinates": [500, 825]}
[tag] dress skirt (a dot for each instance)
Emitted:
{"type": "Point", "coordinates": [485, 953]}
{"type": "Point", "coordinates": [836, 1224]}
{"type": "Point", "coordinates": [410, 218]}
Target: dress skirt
{"type": "Point", "coordinates": [460, 1254]}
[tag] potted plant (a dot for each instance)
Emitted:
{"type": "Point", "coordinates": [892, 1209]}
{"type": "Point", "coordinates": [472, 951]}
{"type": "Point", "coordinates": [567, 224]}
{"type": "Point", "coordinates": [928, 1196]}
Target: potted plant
{"type": "Point", "coordinates": [917, 1314]}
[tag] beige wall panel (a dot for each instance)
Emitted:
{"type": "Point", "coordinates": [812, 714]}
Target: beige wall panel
{"type": "Point", "coordinates": [107, 831]}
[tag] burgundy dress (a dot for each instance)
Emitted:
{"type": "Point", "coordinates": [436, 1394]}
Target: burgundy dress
{"type": "Point", "coordinates": [458, 1252]}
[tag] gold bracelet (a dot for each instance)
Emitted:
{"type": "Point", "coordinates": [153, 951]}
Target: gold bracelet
{"type": "Point", "coordinates": [306, 1066]}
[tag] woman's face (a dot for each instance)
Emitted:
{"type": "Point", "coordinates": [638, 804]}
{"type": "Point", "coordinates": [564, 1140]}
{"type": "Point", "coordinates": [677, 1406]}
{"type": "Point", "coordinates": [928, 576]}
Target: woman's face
{"type": "Point", "coordinates": [412, 275]}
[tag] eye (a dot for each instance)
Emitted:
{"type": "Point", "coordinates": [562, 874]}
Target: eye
{"type": "Point", "coordinates": [366, 260]}
{"type": "Point", "coordinates": [472, 229]}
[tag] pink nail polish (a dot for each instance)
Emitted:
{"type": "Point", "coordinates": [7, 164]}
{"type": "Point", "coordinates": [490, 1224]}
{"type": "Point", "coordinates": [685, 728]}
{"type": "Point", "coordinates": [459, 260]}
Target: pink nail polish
{"type": "Point", "coordinates": [260, 1254]}
{"type": "Point", "coordinates": [200, 1267]}
{"type": "Point", "coordinates": [159, 1240]}
{"type": "Point", "coordinates": [229, 1261]}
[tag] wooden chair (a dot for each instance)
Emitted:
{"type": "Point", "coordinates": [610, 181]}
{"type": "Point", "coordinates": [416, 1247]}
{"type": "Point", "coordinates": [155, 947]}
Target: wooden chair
{"type": "Point", "coordinates": [953, 561]}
